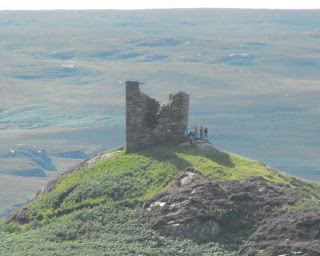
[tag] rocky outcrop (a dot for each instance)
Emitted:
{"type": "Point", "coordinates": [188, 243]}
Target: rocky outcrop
{"type": "Point", "coordinates": [287, 232]}
{"type": "Point", "coordinates": [102, 156]}
{"type": "Point", "coordinates": [259, 216]}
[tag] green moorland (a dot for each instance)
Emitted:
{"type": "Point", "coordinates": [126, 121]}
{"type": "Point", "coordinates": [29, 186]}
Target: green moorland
{"type": "Point", "coordinates": [96, 210]}
{"type": "Point", "coordinates": [253, 77]}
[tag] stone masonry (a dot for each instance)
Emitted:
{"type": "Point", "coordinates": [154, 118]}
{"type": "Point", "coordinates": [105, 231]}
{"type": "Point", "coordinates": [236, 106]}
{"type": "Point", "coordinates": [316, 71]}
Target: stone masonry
{"type": "Point", "coordinates": [148, 123]}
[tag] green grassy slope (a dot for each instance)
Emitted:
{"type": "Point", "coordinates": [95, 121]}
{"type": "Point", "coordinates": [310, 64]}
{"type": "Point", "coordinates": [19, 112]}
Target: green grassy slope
{"type": "Point", "coordinates": [137, 177]}
{"type": "Point", "coordinates": [95, 210]}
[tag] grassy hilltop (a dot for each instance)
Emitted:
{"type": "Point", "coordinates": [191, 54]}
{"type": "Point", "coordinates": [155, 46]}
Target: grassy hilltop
{"type": "Point", "coordinates": [167, 200]}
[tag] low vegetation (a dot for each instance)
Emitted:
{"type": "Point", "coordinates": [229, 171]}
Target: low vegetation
{"type": "Point", "coordinates": [98, 209]}
{"type": "Point", "coordinates": [137, 177]}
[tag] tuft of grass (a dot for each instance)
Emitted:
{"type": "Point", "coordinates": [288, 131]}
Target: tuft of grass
{"type": "Point", "coordinates": [298, 205]}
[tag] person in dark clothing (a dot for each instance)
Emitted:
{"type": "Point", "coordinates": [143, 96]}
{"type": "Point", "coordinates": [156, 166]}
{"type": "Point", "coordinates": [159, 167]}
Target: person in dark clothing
{"type": "Point", "coordinates": [201, 133]}
{"type": "Point", "coordinates": [206, 132]}
{"type": "Point", "coordinates": [191, 137]}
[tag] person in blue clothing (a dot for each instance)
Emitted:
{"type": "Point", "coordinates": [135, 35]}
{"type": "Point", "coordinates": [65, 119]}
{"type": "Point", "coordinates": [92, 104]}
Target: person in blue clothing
{"type": "Point", "coordinates": [190, 134]}
{"type": "Point", "coordinates": [186, 131]}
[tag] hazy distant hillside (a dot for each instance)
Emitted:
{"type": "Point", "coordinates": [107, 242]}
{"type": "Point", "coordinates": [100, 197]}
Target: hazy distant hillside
{"type": "Point", "coordinates": [253, 77]}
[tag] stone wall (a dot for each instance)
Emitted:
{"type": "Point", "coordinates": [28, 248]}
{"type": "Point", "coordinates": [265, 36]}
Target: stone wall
{"type": "Point", "coordinates": [148, 123]}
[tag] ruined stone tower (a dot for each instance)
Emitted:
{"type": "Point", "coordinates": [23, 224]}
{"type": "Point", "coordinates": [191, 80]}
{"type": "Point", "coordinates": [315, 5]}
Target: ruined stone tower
{"type": "Point", "coordinates": [148, 123]}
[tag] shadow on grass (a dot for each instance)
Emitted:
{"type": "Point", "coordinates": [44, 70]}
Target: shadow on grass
{"type": "Point", "coordinates": [168, 153]}
{"type": "Point", "coordinates": [215, 155]}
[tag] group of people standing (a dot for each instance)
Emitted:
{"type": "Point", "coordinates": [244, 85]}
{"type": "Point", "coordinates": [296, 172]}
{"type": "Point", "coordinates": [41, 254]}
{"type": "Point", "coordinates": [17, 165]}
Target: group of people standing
{"type": "Point", "coordinates": [197, 132]}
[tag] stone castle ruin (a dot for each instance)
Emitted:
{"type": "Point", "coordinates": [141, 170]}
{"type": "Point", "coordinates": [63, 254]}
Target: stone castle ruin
{"type": "Point", "coordinates": [148, 123]}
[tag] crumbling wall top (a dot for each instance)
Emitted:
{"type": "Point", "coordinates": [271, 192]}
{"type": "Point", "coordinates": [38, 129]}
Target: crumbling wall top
{"type": "Point", "coordinates": [148, 123]}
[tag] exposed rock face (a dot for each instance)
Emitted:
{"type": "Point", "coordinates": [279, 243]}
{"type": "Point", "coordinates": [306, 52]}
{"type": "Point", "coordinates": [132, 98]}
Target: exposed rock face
{"type": "Point", "coordinates": [148, 123]}
{"type": "Point", "coordinates": [102, 156]}
{"type": "Point", "coordinates": [290, 232]}
{"type": "Point", "coordinates": [257, 215]}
